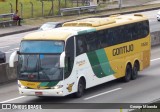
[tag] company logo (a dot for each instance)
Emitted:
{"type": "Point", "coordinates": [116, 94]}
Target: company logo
{"type": "Point", "coordinates": [123, 50]}
{"type": "Point", "coordinates": [70, 87]}
{"type": "Point", "coordinates": [6, 106]}
{"type": "Point", "coordinates": [80, 63]}
{"type": "Point", "coordinates": [38, 87]}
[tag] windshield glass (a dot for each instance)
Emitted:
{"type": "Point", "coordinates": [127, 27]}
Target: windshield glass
{"type": "Point", "coordinates": [41, 46]}
{"type": "Point", "coordinates": [39, 60]}
{"type": "Point", "coordinates": [40, 67]}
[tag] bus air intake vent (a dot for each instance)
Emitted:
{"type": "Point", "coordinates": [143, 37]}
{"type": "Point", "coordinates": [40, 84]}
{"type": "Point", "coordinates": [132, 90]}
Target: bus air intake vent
{"type": "Point", "coordinates": [116, 15]}
{"type": "Point", "coordinates": [91, 22]}
{"type": "Point", "coordinates": [141, 15]}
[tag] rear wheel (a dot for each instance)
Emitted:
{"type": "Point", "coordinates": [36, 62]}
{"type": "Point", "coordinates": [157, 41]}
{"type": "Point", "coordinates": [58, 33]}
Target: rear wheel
{"type": "Point", "coordinates": [128, 73]}
{"type": "Point", "coordinates": [81, 89]}
{"type": "Point", "coordinates": [135, 71]}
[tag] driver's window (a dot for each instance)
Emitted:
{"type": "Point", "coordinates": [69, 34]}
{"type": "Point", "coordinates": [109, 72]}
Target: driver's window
{"type": "Point", "coordinates": [69, 59]}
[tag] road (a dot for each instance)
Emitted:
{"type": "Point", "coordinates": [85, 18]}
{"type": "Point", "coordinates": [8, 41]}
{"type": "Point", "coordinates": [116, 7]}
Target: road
{"type": "Point", "coordinates": [142, 90]}
{"type": "Point", "coordinates": [11, 43]}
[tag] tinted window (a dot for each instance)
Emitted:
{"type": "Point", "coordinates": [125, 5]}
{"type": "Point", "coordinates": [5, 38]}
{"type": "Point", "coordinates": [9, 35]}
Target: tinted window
{"type": "Point", "coordinates": [69, 59]}
{"type": "Point", "coordinates": [80, 44]}
{"type": "Point", "coordinates": [92, 42]}
{"type": "Point", "coordinates": [112, 36]}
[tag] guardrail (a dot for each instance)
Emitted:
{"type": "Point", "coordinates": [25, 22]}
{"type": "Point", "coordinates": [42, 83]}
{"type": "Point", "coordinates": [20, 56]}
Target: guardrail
{"type": "Point", "coordinates": [79, 9]}
{"type": "Point", "coordinates": [8, 74]}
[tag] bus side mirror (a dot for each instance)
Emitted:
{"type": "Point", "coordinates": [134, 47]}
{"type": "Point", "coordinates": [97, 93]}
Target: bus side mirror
{"type": "Point", "coordinates": [11, 59]}
{"type": "Point", "coordinates": [62, 60]}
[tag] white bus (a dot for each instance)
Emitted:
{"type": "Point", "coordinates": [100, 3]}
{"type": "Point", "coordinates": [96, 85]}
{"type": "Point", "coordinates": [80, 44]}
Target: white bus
{"type": "Point", "coordinates": [82, 54]}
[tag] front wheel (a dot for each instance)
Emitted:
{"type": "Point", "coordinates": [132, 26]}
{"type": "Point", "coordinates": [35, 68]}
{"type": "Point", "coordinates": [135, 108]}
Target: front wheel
{"type": "Point", "coordinates": [81, 89]}
{"type": "Point", "coordinates": [128, 74]}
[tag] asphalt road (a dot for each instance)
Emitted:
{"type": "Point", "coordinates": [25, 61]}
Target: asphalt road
{"type": "Point", "coordinates": [11, 43]}
{"type": "Point", "coordinates": [142, 90]}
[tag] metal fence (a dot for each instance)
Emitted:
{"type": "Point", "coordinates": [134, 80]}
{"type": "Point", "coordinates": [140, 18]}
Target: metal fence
{"type": "Point", "coordinates": [44, 8]}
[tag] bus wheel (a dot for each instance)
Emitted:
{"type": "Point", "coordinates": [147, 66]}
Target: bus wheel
{"type": "Point", "coordinates": [128, 73]}
{"type": "Point", "coordinates": [135, 71]}
{"type": "Point", "coordinates": [81, 88]}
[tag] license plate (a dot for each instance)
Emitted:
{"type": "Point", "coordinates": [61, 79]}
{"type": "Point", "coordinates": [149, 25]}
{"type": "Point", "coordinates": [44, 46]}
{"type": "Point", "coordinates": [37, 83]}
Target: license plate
{"type": "Point", "coordinates": [38, 93]}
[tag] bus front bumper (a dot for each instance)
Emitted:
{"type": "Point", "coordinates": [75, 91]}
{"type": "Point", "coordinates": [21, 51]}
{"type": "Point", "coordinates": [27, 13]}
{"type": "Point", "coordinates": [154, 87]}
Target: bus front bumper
{"type": "Point", "coordinates": [44, 92]}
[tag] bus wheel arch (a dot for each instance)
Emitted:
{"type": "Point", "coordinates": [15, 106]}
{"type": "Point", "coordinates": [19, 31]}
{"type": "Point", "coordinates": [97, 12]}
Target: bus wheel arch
{"type": "Point", "coordinates": [136, 68]}
{"type": "Point", "coordinates": [128, 72]}
{"type": "Point", "coordinates": [81, 86]}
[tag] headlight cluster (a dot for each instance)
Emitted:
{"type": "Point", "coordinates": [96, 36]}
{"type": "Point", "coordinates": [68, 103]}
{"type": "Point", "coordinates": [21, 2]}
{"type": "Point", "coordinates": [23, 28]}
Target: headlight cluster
{"type": "Point", "coordinates": [21, 86]}
{"type": "Point", "coordinates": [57, 87]}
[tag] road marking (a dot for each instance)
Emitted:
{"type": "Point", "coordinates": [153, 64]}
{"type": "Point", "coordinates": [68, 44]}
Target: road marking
{"type": "Point", "coordinates": [155, 59]}
{"type": "Point", "coordinates": [4, 47]}
{"type": "Point", "coordinates": [12, 99]}
{"type": "Point", "coordinates": [102, 93]}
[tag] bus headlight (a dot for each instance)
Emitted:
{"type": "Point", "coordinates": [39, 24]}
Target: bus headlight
{"type": "Point", "coordinates": [57, 87]}
{"type": "Point", "coordinates": [21, 86]}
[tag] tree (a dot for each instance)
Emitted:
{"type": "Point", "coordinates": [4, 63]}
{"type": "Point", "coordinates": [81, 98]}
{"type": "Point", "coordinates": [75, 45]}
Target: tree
{"type": "Point", "coordinates": [2, 0]}
{"type": "Point", "coordinates": [16, 4]}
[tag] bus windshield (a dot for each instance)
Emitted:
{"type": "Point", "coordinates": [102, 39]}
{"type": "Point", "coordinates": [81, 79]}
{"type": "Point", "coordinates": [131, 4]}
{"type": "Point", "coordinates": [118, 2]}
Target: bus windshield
{"type": "Point", "coordinates": [41, 46]}
{"type": "Point", "coordinates": [39, 60]}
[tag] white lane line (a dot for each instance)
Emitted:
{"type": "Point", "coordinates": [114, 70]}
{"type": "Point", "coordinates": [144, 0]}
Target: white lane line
{"type": "Point", "coordinates": [102, 93]}
{"type": "Point", "coordinates": [4, 47]}
{"type": "Point", "coordinates": [155, 59]}
{"type": "Point", "coordinates": [12, 99]}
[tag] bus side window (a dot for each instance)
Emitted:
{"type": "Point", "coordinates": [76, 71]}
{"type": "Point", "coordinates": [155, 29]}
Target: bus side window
{"type": "Point", "coordinates": [145, 28]}
{"type": "Point", "coordinates": [134, 31]}
{"type": "Point", "coordinates": [80, 44]}
{"type": "Point", "coordinates": [122, 34]}
{"type": "Point", "coordinates": [102, 36]}
{"type": "Point", "coordinates": [69, 58]}
{"type": "Point", "coordinates": [92, 42]}
{"type": "Point", "coordinates": [108, 38]}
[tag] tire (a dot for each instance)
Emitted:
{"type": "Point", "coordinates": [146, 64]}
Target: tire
{"type": "Point", "coordinates": [81, 89]}
{"type": "Point", "coordinates": [128, 73]}
{"type": "Point", "coordinates": [4, 60]}
{"type": "Point", "coordinates": [135, 71]}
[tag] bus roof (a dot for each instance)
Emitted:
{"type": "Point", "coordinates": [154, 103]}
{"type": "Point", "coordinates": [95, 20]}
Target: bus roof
{"type": "Point", "coordinates": [106, 22]}
{"type": "Point", "coordinates": [61, 33]}
{"type": "Point", "coordinates": [83, 26]}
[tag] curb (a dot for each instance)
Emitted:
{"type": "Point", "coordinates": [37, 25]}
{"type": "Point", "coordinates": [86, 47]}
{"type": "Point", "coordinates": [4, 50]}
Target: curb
{"type": "Point", "coordinates": [142, 10]}
{"type": "Point", "coordinates": [20, 31]}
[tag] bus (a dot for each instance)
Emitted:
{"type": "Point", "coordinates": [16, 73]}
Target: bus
{"type": "Point", "coordinates": [82, 54]}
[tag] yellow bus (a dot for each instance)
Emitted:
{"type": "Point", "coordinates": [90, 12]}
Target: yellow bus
{"type": "Point", "coordinates": [82, 54]}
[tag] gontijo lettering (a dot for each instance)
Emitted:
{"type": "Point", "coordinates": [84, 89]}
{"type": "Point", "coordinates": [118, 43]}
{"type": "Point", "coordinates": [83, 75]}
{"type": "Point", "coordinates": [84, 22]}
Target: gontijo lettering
{"type": "Point", "coordinates": [123, 50]}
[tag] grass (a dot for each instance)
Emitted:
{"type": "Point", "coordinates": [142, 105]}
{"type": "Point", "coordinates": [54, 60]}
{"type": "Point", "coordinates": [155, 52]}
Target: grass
{"type": "Point", "coordinates": [37, 6]}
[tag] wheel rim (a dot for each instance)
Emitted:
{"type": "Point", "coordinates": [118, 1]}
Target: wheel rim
{"type": "Point", "coordinates": [135, 71]}
{"type": "Point", "coordinates": [128, 74]}
{"type": "Point", "coordinates": [80, 90]}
